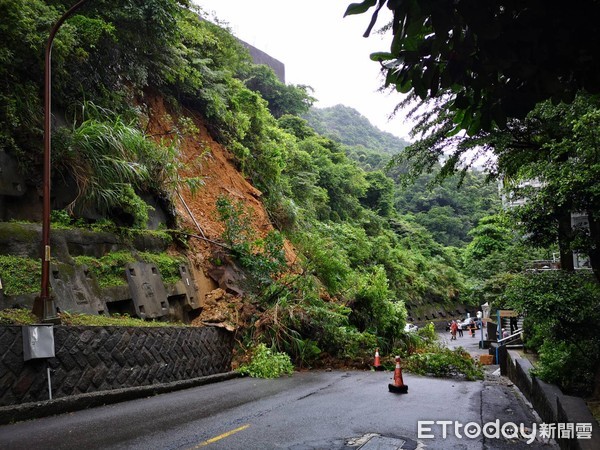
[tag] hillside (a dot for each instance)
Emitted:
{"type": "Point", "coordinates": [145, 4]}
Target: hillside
{"type": "Point", "coordinates": [184, 156]}
{"type": "Point", "coordinates": [347, 126]}
{"type": "Point", "coordinates": [202, 156]}
{"type": "Point", "coordinates": [447, 212]}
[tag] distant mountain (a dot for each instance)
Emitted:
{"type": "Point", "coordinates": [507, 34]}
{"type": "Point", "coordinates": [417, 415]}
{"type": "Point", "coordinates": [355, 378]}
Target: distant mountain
{"type": "Point", "coordinates": [346, 125]}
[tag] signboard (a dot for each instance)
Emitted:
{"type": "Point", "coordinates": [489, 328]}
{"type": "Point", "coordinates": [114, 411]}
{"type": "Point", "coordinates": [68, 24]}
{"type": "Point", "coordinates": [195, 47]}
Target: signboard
{"type": "Point", "coordinates": [507, 313]}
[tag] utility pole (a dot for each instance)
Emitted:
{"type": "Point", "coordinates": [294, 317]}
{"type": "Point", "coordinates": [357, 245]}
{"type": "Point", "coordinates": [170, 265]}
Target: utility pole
{"type": "Point", "coordinates": [44, 306]}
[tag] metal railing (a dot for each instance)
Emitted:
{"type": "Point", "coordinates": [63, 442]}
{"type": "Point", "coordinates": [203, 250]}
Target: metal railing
{"type": "Point", "coordinates": [503, 341]}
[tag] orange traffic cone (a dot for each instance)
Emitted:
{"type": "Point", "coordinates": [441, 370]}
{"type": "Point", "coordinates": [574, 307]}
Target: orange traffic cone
{"type": "Point", "coordinates": [398, 387]}
{"type": "Point", "coordinates": [377, 365]}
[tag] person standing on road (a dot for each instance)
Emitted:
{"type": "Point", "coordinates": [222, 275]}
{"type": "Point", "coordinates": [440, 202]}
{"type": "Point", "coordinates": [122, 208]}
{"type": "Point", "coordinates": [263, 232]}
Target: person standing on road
{"type": "Point", "coordinates": [460, 330]}
{"type": "Point", "coordinates": [453, 328]}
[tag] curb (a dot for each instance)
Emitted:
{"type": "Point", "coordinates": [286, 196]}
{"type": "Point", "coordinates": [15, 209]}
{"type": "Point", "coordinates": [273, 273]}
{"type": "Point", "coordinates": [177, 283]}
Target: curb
{"type": "Point", "coordinates": [35, 410]}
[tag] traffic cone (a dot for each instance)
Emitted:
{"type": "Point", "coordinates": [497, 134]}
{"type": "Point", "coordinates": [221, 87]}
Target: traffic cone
{"type": "Point", "coordinates": [398, 387]}
{"type": "Point", "coordinates": [377, 365]}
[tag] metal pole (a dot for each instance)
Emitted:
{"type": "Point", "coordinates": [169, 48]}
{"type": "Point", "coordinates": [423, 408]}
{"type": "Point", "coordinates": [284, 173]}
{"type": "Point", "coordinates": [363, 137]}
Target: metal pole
{"type": "Point", "coordinates": [499, 332]}
{"type": "Point", "coordinates": [482, 322]}
{"type": "Point", "coordinates": [48, 309]}
{"type": "Point", "coordinates": [49, 383]}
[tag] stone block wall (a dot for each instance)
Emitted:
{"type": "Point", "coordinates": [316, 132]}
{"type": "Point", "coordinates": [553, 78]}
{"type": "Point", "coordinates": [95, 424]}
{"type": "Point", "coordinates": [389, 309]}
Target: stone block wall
{"type": "Point", "coordinates": [90, 359]}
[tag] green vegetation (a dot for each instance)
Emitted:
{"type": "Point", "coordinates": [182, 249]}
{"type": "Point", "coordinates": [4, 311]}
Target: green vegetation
{"type": "Point", "coordinates": [26, 317]}
{"type": "Point", "coordinates": [454, 53]}
{"type": "Point", "coordinates": [263, 258]}
{"type": "Point", "coordinates": [21, 316]}
{"type": "Point", "coordinates": [556, 146]}
{"type": "Point", "coordinates": [62, 219]}
{"type": "Point", "coordinates": [536, 131]}
{"type": "Point", "coordinates": [563, 316]}
{"type": "Point", "coordinates": [116, 320]}
{"type": "Point", "coordinates": [367, 247]}
{"type": "Point", "coordinates": [109, 270]}
{"type": "Point", "coordinates": [444, 362]}
{"type": "Point", "coordinates": [266, 363]}
{"type": "Point", "coordinates": [421, 353]}
{"type": "Point", "coordinates": [20, 275]}
{"type": "Point", "coordinates": [347, 126]}
{"type": "Point", "coordinates": [448, 209]}
{"type": "Point", "coordinates": [281, 98]}
{"type": "Point", "coordinates": [168, 265]}
{"type": "Point", "coordinates": [359, 261]}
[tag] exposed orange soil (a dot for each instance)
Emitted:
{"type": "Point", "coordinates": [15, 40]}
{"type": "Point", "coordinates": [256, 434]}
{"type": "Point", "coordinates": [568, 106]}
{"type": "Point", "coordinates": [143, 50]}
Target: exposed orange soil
{"type": "Point", "coordinates": [203, 156]}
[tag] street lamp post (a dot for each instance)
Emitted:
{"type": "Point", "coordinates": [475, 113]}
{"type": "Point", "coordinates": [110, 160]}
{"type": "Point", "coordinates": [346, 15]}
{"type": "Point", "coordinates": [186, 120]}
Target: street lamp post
{"type": "Point", "coordinates": [44, 306]}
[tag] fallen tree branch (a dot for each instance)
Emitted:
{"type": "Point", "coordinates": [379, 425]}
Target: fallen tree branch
{"type": "Point", "coordinates": [203, 238]}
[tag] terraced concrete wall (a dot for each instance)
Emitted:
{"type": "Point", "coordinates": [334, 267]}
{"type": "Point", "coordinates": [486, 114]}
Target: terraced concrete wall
{"type": "Point", "coordinates": [90, 359]}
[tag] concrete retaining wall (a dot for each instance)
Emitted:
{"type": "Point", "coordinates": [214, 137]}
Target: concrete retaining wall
{"type": "Point", "coordinates": [91, 359]}
{"type": "Point", "coordinates": [551, 404]}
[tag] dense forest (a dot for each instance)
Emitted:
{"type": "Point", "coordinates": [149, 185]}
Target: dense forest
{"type": "Point", "coordinates": [382, 230]}
{"type": "Point", "coordinates": [480, 92]}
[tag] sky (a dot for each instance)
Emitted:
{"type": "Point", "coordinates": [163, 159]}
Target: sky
{"type": "Point", "coordinates": [320, 48]}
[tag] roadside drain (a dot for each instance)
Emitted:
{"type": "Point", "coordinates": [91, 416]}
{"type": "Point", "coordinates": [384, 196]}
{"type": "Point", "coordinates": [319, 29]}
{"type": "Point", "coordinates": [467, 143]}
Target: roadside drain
{"type": "Point", "coordinates": [374, 441]}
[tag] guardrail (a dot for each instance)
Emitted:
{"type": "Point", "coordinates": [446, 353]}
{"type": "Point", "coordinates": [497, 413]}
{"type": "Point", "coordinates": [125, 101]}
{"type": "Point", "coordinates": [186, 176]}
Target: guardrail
{"type": "Point", "coordinates": [504, 341]}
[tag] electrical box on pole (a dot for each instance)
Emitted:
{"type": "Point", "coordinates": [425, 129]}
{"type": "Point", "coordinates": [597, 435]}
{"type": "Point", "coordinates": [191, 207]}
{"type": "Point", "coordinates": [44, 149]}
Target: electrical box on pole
{"type": "Point", "coordinates": [38, 342]}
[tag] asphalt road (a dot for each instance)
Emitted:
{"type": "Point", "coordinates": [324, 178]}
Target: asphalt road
{"type": "Point", "coordinates": [310, 410]}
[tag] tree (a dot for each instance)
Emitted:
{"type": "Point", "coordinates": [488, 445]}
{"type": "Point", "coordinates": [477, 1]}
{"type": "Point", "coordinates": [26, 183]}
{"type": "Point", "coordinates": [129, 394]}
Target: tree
{"type": "Point", "coordinates": [380, 193]}
{"type": "Point", "coordinates": [561, 324]}
{"type": "Point", "coordinates": [340, 177]}
{"type": "Point", "coordinates": [555, 144]}
{"type": "Point", "coordinates": [282, 98]}
{"type": "Point", "coordinates": [491, 234]}
{"type": "Point", "coordinates": [567, 163]}
{"type": "Point", "coordinates": [296, 125]}
{"type": "Point", "coordinates": [445, 210]}
{"type": "Point", "coordinates": [494, 59]}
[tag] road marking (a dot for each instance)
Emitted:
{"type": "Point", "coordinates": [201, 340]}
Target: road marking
{"type": "Point", "coordinates": [221, 436]}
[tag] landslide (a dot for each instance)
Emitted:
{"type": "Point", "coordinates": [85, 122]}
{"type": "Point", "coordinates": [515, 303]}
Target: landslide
{"type": "Point", "coordinates": [202, 156]}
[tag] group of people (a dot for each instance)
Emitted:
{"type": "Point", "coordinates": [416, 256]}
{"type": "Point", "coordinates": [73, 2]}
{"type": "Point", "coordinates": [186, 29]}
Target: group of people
{"type": "Point", "coordinates": [456, 328]}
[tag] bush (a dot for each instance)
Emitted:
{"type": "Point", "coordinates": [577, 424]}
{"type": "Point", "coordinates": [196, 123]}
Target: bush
{"type": "Point", "coordinates": [428, 333]}
{"type": "Point", "coordinates": [373, 306]}
{"type": "Point", "coordinates": [267, 364]}
{"type": "Point", "coordinates": [443, 362]}
{"type": "Point", "coordinates": [352, 344]}
{"type": "Point", "coordinates": [570, 366]}
{"type": "Point", "coordinates": [561, 323]}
